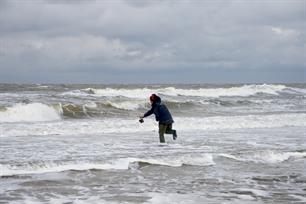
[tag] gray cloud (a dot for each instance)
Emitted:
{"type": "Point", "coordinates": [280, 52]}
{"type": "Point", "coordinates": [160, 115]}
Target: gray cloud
{"type": "Point", "coordinates": [206, 41]}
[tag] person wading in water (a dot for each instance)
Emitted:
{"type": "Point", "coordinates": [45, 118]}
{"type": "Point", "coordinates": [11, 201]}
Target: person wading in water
{"type": "Point", "coordinates": [162, 115]}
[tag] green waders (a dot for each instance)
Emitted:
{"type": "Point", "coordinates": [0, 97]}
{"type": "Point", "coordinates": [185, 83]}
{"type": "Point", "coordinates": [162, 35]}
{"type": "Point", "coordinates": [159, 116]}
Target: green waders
{"type": "Point", "coordinates": [166, 129]}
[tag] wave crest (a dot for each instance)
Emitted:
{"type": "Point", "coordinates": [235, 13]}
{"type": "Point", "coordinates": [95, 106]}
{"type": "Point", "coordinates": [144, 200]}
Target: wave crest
{"type": "Point", "coordinates": [119, 164]}
{"type": "Point", "coordinates": [29, 113]}
{"type": "Point", "coordinates": [266, 156]}
{"type": "Point", "coordinates": [144, 93]}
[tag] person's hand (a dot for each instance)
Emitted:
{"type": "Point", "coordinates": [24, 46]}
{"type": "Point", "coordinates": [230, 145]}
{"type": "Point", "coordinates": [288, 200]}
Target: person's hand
{"type": "Point", "coordinates": [141, 119]}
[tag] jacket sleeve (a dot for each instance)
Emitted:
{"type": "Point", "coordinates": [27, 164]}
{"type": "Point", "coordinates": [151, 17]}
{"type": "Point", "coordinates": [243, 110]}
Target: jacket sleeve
{"type": "Point", "coordinates": [150, 112]}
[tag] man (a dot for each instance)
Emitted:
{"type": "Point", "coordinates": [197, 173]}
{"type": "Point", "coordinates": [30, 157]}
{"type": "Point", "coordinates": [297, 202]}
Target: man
{"type": "Point", "coordinates": [162, 115]}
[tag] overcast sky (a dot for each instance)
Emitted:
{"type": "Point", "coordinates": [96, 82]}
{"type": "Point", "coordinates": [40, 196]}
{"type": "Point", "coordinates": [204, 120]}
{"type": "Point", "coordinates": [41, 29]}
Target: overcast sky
{"type": "Point", "coordinates": [152, 41]}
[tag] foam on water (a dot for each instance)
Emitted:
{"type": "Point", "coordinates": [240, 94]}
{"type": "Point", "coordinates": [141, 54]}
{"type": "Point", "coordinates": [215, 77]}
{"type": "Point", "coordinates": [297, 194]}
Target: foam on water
{"type": "Point", "coordinates": [199, 160]}
{"type": "Point", "coordinates": [48, 167]}
{"type": "Point", "coordinates": [182, 124]}
{"type": "Point", "coordinates": [143, 93]}
{"type": "Point", "coordinates": [255, 192]}
{"type": "Point", "coordinates": [74, 144]}
{"type": "Point", "coordinates": [29, 113]}
{"type": "Point", "coordinates": [247, 121]}
{"type": "Point", "coordinates": [91, 105]}
{"type": "Point", "coordinates": [178, 198]}
{"type": "Point", "coordinates": [203, 159]}
{"type": "Point", "coordinates": [274, 157]}
{"type": "Point", "coordinates": [116, 164]}
{"type": "Point", "coordinates": [59, 199]}
{"type": "Point", "coordinates": [246, 90]}
{"type": "Point", "coordinates": [152, 198]}
{"type": "Point", "coordinates": [127, 105]}
{"type": "Point", "coordinates": [267, 156]}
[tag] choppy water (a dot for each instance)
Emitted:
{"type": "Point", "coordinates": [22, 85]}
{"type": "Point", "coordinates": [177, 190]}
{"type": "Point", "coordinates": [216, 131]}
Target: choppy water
{"type": "Point", "coordinates": [83, 144]}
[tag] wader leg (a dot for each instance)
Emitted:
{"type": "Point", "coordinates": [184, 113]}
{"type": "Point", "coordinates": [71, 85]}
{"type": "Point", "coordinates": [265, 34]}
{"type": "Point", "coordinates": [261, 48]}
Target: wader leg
{"type": "Point", "coordinates": [162, 130]}
{"type": "Point", "coordinates": [169, 130]}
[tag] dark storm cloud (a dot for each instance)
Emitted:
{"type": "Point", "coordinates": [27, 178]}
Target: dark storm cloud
{"type": "Point", "coordinates": [185, 38]}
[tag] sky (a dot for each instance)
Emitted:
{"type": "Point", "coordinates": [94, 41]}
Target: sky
{"type": "Point", "coordinates": [152, 41]}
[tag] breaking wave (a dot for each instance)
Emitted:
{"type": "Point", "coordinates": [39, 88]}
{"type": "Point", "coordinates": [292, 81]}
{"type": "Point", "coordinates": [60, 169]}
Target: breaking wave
{"type": "Point", "coordinates": [244, 91]}
{"type": "Point", "coordinates": [191, 101]}
{"type": "Point", "coordinates": [204, 159]}
{"type": "Point", "coordinates": [42, 112]}
{"type": "Point", "coordinates": [118, 164]}
{"type": "Point", "coordinates": [129, 126]}
{"type": "Point", "coordinates": [266, 156]}
{"type": "Point", "coordinates": [39, 112]}
{"type": "Point", "coordinates": [29, 113]}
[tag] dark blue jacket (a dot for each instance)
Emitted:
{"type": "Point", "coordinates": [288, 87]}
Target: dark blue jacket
{"type": "Point", "coordinates": [161, 112]}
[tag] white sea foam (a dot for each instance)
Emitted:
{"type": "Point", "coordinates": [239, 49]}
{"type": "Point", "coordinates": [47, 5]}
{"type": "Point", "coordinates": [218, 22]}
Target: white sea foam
{"type": "Point", "coordinates": [118, 164]}
{"type": "Point", "coordinates": [238, 122]}
{"type": "Point", "coordinates": [248, 193]}
{"type": "Point", "coordinates": [153, 198]}
{"type": "Point", "coordinates": [199, 160]}
{"type": "Point", "coordinates": [274, 157]}
{"type": "Point", "coordinates": [230, 157]}
{"type": "Point", "coordinates": [91, 105]}
{"type": "Point", "coordinates": [178, 198]}
{"type": "Point", "coordinates": [127, 105]}
{"type": "Point", "coordinates": [267, 156]}
{"type": "Point", "coordinates": [245, 197]}
{"type": "Point", "coordinates": [47, 167]}
{"type": "Point", "coordinates": [131, 93]}
{"type": "Point", "coordinates": [126, 126]}
{"type": "Point", "coordinates": [29, 112]}
{"type": "Point", "coordinates": [245, 90]}
{"type": "Point", "coordinates": [60, 199]}
{"type": "Point", "coordinates": [255, 192]}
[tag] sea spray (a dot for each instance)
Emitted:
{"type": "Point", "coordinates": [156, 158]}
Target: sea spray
{"type": "Point", "coordinates": [29, 113]}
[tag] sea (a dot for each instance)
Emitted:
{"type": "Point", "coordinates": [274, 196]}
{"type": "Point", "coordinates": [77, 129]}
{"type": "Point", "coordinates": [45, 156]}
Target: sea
{"type": "Point", "coordinates": [83, 143]}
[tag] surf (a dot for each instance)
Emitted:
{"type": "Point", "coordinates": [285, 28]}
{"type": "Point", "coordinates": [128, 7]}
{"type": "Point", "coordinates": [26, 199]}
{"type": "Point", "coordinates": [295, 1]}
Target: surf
{"type": "Point", "coordinates": [265, 156]}
{"type": "Point", "coordinates": [114, 164]}
{"type": "Point", "coordinates": [143, 93]}
{"type": "Point", "coordinates": [37, 112]}
{"type": "Point", "coordinates": [113, 125]}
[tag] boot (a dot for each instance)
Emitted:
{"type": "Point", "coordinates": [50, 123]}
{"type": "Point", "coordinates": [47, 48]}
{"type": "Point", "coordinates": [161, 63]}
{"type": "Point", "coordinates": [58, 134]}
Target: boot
{"type": "Point", "coordinates": [174, 135]}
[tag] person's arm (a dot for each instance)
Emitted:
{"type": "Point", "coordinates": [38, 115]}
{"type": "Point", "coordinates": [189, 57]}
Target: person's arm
{"type": "Point", "coordinates": [150, 112]}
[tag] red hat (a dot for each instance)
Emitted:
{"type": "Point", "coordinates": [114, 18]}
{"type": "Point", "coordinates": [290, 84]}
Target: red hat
{"type": "Point", "coordinates": [153, 97]}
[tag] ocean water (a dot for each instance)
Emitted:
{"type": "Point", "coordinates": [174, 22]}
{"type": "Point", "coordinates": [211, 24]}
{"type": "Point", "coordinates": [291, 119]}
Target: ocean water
{"type": "Point", "coordinates": [84, 144]}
